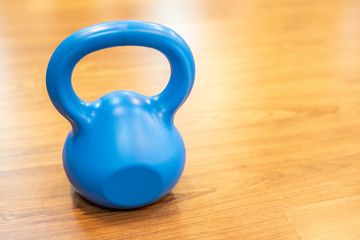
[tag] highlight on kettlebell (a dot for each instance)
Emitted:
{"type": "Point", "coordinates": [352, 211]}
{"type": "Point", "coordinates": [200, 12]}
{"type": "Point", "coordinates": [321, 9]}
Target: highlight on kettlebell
{"type": "Point", "coordinates": [123, 150]}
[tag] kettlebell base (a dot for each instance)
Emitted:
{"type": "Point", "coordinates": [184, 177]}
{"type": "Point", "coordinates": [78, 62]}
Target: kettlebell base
{"type": "Point", "coordinates": [133, 187]}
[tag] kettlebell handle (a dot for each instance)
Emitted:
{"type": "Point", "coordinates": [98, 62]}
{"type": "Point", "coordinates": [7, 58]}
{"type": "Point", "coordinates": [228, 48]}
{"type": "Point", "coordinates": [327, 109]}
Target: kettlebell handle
{"type": "Point", "coordinates": [111, 34]}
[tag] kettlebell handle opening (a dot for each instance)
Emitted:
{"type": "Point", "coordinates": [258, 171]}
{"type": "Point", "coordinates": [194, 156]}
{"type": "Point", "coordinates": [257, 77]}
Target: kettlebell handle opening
{"type": "Point", "coordinates": [112, 34]}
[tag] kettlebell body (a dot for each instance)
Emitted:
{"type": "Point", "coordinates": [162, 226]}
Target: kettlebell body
{"type": "Point", "coordinates": [123, 150]}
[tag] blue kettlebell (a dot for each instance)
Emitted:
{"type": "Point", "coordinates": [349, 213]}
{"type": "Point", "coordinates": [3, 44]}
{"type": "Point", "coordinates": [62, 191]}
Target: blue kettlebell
{"type": "Point", "coordinates": [123, 150]}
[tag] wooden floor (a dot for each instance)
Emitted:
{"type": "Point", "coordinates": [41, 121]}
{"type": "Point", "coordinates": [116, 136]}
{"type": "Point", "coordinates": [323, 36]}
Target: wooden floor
{"type": "Point", "coordinates": [272, 126]}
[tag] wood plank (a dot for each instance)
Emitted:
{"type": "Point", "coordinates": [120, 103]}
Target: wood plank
{"type": "Point", "coordinates": [334, 219]}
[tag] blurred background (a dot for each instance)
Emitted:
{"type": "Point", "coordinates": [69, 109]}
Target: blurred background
{"type": "Point", "coordinates": [271, 127]}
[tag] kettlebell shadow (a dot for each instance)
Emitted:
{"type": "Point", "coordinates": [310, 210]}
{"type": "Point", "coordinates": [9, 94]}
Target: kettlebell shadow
{"type": "Point", "coordinates": [84, 209]}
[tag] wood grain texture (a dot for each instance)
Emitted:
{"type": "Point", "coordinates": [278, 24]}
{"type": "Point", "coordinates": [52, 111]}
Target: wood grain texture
{"type": "Point", "coordinates": [272, 126]}
{"type": "Point", "coordinates": [333, 219]}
